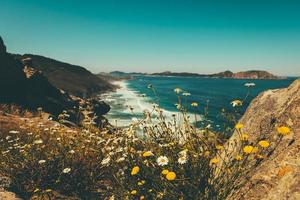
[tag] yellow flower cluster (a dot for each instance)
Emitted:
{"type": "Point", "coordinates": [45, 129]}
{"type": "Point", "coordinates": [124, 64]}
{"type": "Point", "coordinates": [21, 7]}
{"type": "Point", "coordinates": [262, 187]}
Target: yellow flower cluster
{"type": "Point", "coordinates": [283, 130]}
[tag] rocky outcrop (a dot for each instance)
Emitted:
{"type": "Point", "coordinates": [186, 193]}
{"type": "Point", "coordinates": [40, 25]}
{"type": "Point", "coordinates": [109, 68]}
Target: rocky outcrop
{"type": "Point", "coordinates": [278, 176]}
{"type": "Point", "coordinates": [5, 195]}
{"type": "Point", "coordinates": [5, 183]}
{"type": "Point", "coordinates": [73, 79]}
{"type": "Point", "coordinates": [22, 82]}
{"type": "Point", "coordinates": [21, 85]}
{"type": "Point", "coordinates": [254, 74]}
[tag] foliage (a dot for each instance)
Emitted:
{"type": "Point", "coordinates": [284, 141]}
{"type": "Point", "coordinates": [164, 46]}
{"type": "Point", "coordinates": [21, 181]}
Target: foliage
{"type": "Point", "coordinates": [154, 158]}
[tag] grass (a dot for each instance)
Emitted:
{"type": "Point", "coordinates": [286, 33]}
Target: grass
{"type": "Point", "coordinates": [173, 159]}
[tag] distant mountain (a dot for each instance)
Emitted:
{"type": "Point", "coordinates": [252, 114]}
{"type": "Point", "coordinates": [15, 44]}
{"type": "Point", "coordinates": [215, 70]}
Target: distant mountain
{"type": "Point", "coordinates": [125, 74]}
{"type": "Point", "coordinates": [252, 74]}
{"type": "Point", "coordinates": [73, 79]}
{"type": "Point", "coordinates": [169, 73]}
{"type": "Point", "coordinates": [110, 77]}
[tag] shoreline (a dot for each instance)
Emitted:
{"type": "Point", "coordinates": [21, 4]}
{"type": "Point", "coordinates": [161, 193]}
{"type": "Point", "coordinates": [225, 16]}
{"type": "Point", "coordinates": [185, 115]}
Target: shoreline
{"type": "Point", "coordinates": [123, 98]}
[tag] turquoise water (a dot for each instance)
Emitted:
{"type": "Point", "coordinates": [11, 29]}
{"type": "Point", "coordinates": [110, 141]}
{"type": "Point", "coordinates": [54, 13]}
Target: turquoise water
{"type": "Point", "coordinates": [219, 92]}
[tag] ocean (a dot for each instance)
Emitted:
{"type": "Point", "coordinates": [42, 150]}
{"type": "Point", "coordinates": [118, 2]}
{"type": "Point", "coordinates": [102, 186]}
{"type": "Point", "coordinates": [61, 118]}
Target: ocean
{"type": "Point", "coordinates": [217, 92]}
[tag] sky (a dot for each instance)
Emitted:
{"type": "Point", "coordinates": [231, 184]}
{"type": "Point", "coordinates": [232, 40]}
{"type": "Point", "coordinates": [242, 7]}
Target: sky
{"type": "Point", "coordinates": [154, 36]}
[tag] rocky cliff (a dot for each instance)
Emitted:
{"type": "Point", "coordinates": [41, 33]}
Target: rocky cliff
{"type": "Point", "coordinates": [27, 87]}
{"type": "Point", "coordinates": [278, 176]}
{"type": "Point", "coordinates": [36, 81]}
{"type": "Point", "coordinates": [73, 79]}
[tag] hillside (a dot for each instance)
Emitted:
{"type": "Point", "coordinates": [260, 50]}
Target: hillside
{"type": "Point", "coordinates": [73, 79]}
{"type": "Point", "coordinates": [24, 82]}
{"type": "Point", "coordinates": [29, 90]}
{"type": "Point", "coordinates": [252, 74]}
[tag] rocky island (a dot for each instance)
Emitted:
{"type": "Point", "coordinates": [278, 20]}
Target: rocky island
{"type": "Point", "coordinates": [251, 74]}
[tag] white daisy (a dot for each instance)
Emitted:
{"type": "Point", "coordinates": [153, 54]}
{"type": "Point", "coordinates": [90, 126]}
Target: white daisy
{"type": "Point", "coordinates": [14, 132]}
{"type": "Point", "coordinates": [66, 170]}
{"type": "Point", "coordinates": [182, 160]}
{"type": "Point", "coordinates": [71, 151]}
{"type": "Point", "coordinates": [162, 160]}
{"type": "Point", "coordinates": [105, 161]}
{"type": "Point", "coordinates": [249, 84]}
{"type": "Point", "coordinates": [38, 141]}
{"type": "Point", "coordinates": [42, 161]}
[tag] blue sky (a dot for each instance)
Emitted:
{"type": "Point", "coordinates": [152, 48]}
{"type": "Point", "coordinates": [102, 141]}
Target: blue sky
{"type": "Point", "coordinates": [153, 36]}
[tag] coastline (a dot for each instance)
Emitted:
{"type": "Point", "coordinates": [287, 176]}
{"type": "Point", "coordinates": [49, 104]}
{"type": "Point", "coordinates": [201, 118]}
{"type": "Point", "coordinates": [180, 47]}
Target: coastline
{"type": "Point", "coordinates": [124, 98]}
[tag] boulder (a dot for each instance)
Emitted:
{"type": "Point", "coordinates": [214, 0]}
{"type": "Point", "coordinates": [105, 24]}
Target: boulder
{"type": "Point", "coordinates": [278, 176]}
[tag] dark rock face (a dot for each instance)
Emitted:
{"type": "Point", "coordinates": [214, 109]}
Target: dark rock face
{"type": "Point", "coordinates": [2, 46]}
{"type": "Point", "coordinates": [22, 82]}
{"type": "Point", "coordinates": [73, 79]}
{"type": "Point", "coordinates": [12, 77]}
{"type": "Point", "coordinates": [32, 92]}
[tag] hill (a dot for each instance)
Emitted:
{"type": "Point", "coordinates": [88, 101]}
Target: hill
{"type": "Point", "coordinates": [252, 74]}
{"type": "Point", "coordinates": [30, 90]}
{"type": "Point", "coordinates": [73, 79]}
{"type": "Point", "coordinates": [33, 81]}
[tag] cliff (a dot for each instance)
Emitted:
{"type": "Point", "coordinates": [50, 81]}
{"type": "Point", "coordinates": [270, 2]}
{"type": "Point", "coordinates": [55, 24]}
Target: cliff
{"type": "Point", "coordinates": [73, 79]}
{"type": "Point", "coordinates": [36, 81]}
{"type": "Point", "coordinates": [29, 88]}
{"type": "Point", "coordinates": [278, 176]}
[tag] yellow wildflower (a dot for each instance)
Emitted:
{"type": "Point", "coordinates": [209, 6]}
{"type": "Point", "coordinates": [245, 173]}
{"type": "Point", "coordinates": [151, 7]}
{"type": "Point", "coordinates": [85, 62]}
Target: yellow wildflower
{"type": "Point", "coordinates": [283, 130]}
{"type": "Point", "coordinates": [135, 170]}
{"type": "Point", "coordinates": [194, 104]}
{"type": "Point", "coordinates": [214, 161]}
{"type": "Point", "coordinates": [36, 190]}
{"type": "Point", "coordinates": [177, 90]}
{"type": "Point", "coordinates": [178, 106]}
{"type": "Point", "coordinates": [238, 157]}
{"type": "Point", "coordinates": [239, 126]}
{"type": "Point", "coordinates": [244, 137]}
{"type": "Point", "coordinates": [219, 147]}
{"type": "Point", "coordinates": [236, 103]}
{"type": "Point", "coordinates": [141, 182]}
{"type": "Point", "coordinates": [258, 156]}
{"type": "Point", "coordinates": [206, 153]}
{"type": "Point", "coordinates": [165, 171]}
{"type": "Point", "coordinates": [133, 192]}
{"type": "Point", "coordinates": [171, 176]}
{"type": "Point", "coordinates": [264, 143]}
{"type": "Point", "coordinates": [147, 154]}
{"type": "Point", "coordinates": [250, 149]}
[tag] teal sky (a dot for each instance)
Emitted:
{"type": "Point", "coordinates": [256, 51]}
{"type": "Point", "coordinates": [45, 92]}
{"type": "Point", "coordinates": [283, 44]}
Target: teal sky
{"type": "Point", "coordinates": [153, 36]}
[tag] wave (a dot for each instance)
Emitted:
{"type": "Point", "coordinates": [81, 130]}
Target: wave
{"type": "Point", "coordinates": [125, 98]}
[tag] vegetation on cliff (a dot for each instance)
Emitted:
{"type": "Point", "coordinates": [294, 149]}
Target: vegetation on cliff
{"type": "Point", "coordinates": [153, 158]}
